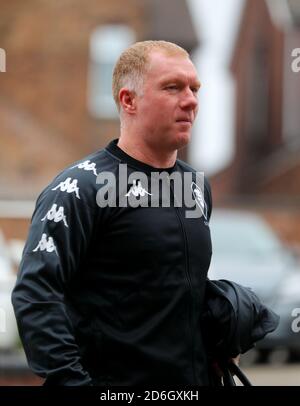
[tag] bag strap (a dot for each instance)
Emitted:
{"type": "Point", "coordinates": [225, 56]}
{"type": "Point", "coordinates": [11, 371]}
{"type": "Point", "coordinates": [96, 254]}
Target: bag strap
{"type": "Point", "coordinates": [236, 370]}
{"type": "Point", "coordinates": [228, 378]}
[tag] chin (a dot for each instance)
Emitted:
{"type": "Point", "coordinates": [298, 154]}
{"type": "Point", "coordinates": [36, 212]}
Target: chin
{"type": "Point", "coordinates": [182, 140]}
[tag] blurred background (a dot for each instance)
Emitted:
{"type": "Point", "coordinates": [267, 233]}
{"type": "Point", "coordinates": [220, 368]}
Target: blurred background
{"type": "Point", "coordinates": [56, 106]}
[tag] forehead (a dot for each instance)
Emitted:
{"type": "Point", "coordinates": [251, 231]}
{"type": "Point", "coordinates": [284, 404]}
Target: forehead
{"type": "Point", "coordinates": [163, 66]}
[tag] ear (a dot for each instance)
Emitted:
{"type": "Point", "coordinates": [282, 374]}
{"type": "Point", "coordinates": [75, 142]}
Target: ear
{"type": "Point", "coordinates": [127, 99]}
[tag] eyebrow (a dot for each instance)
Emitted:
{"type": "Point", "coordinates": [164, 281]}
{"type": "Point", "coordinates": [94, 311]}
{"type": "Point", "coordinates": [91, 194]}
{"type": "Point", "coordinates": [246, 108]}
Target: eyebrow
{"type": "Point", "coordinates": [197, 83]}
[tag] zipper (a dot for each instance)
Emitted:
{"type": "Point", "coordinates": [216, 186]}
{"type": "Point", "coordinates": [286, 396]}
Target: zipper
{"type": "Point", "coordinates": [188, 276]}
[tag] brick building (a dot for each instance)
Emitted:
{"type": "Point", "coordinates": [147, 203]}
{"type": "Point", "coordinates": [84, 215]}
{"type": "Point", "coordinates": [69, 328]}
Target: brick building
{"type": "Point", "coordinates": [55, 101]}
{"type": "Point", "coordinates": [49, 112]}
{"type": "Point", "coordinates": [265, 171]}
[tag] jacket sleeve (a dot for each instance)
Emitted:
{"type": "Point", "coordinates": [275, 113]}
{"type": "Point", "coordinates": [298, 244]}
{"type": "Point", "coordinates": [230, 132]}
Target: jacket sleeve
{"type": "Point", "coordinates": [59, 235]}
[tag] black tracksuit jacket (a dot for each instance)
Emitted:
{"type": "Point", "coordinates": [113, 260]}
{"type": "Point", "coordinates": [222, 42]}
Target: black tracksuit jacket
{"type": "Point", "coordinates": [113, 295]}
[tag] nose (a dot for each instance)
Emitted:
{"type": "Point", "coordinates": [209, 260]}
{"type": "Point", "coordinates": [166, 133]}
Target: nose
{"type": "Point", "coordinates": [189, 100]}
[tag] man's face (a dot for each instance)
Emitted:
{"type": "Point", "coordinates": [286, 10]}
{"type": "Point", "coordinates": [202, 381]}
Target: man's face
{"type": "Point", "coordinates": [168, 105]}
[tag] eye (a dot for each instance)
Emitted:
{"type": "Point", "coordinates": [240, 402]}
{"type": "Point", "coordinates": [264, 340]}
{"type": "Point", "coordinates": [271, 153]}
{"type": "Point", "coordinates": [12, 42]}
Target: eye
{"type": "Point", "coordinates": [195, 90]}
{"type": "Point", "coordinates": [171, 87]}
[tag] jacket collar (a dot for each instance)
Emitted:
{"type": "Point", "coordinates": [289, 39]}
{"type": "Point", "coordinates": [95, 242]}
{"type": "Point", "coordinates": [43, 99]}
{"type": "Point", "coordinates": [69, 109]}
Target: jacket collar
{"type": "Point", "coordinates": [121, 155]}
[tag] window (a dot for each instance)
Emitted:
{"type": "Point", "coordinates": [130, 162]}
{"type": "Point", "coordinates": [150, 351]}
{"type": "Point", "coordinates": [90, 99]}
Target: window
{"type": "Point", "coordinates": [106, 45]}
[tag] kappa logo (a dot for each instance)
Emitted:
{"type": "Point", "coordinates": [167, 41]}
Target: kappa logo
{"type": "Point", "coordinates": [199, 199]}
{"type": "Point", "coordinates": [69, 187]}
{"type": "Point", "coordinates": [88, 166]}
{"type": "Point", "coordinates": [46, 244]}
{"type": "Point", "coordinates": [56, 215]}
{"type": "Point", "coordinates": [137, 189]}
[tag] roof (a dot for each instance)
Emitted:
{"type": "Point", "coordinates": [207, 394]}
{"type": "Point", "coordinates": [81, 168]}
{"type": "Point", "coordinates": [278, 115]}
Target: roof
{"type": "Point", "coordinates": [171, 20]}
{"type": "Point", "coordinates": [294, 6]}
{"type": "Point", "coordinates": [285, 13]}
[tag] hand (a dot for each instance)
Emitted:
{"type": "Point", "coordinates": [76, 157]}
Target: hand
{"type": "Point", "coordinates": [236, 360]}
{"type": "Point", "coordinates": [218, 369]}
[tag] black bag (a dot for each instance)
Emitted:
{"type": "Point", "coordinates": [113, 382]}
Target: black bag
{"type": "Point", "coordinates": [233, 320]}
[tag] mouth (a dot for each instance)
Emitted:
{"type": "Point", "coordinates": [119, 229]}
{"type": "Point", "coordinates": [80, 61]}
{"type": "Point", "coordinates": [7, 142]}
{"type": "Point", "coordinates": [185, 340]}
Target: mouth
{"type": "Point", "coordinates": [184, 120]}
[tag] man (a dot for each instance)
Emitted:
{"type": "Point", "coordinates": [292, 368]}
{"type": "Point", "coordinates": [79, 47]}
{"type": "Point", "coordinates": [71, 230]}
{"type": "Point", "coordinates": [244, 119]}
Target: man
{"type": "Point", "coordinates": [112, 293]}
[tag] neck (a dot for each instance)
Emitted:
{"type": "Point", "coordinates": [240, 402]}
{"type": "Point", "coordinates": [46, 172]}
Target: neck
{"type": "Point", "coordinates": [138, 149]}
